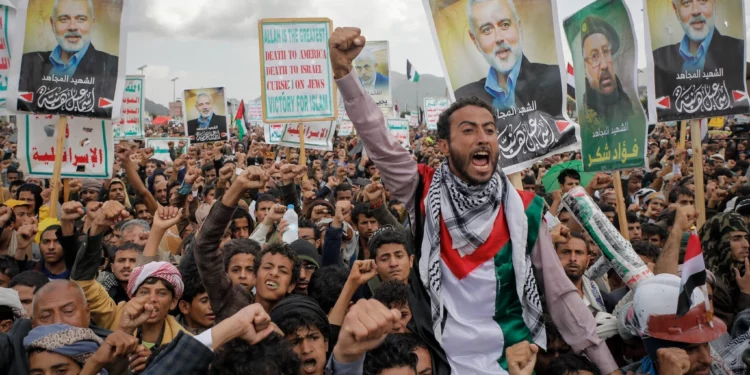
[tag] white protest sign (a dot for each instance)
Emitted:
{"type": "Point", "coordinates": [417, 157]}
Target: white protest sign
{"type": "Point", "coordinates": [297, 83]}
{"type": "Point", "coordinates": [272, 133]}
{"type": "Point", "coordinates": [399, 128]}
{"type": "Point", "coordinates": [88, 151]}
{"type": "Point", "coordinates": [433, 107]}
{"type": "Point", "coordinates": [414, 119]}
{"type": "Point", "coordinates": [161, 147]}
{"type": "Point", "coordinates": [345, 129]}
{"type": "Point", "coordinates": [130, 123]}
{"type": "Point", "coordinates": [7, 15]}
{"type": "Point", "coordinates": [318, 135]}
{"type": "Point", "coordinates": [254, 112]}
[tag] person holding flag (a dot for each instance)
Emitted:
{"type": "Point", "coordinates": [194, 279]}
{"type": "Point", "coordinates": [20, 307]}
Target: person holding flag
{"type": "Point", "coordinates": [239, 120]}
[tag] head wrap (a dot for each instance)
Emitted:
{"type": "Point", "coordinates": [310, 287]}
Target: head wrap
{"type": "Point", "coordinates": [292, 305]}
{"type": "Point", "coordinates": [160, 270]}
{"type": "Point", "coordinates": [91, 184]}
{"type": "Point", "coordinates": [77, 343]}
{"type": "Point", "coordinates": [9, 297]}
{"type": "Point", "coordinates": [125, 187]}
{"type": "Point", "coordinates": [714, 236]}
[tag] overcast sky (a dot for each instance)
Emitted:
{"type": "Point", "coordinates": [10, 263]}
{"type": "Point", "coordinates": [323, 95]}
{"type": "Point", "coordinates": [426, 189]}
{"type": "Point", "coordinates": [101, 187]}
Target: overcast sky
{"type": "Point", "coordinates": [215, 43]}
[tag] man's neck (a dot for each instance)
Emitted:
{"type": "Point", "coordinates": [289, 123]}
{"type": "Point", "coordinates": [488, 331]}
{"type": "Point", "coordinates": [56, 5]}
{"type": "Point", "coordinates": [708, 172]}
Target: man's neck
{"type": "Point", "coordinates": [579, 286]}
{"type": "Point", "coordinates": [267, 305]}
{"type": "Point", "coordinates": [65, 56]}
{"type": "Point", "coordinates": [152, 332]}
{"type": "Point", "coordinates": [56, 268]}
{"type": "Point", "coordinates": [502, 81]}
{"type": "Point", "coordinates": [123, 284]}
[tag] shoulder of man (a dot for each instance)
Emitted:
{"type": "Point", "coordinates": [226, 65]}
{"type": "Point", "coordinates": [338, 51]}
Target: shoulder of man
{"type": "Point", "coordinates": [671, 51]}
{"type": "Point", "coordinates": [472, 89]}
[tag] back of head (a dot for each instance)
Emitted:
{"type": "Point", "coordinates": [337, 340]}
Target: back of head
{"type": "Point", "coordinates": [387, 235]}
{"type": "Point", "coordinates": [272, 356]}
{"type": "Point", "coordinates": [326, 285]}
{"type": "Point", "coordinates": [389, 355]}
{"type": "Point", "coordinates": [31, 279]}
{"type": "Point", "coordinates": [572, 364]}
{"type": "Point", "coordinates": [298, 311]}
{"type": "Point", "coordinates": [239, 246]}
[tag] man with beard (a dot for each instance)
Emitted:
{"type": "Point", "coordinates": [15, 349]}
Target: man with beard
{"type": "Point", "coordinates": [204, 103]}
{"type": "Point", "coordinates": [122, 262]}
{"type": "Point", "coordinates": [367, 69]}
{"type": "Point", "coordinates": [90, 191]}
{"type": "Point", "coordinates": [467, 267]}
{"type": "Point", "coordinates": [73, 59]}
{"type": "Point", "coordinates": [512, 81]}
{"type": "Point", "coordinates": [702, 49]}
{"type": "Point", "coordinates": [604, 93]}
{"type": "Point", "coordinates": [574, 255]}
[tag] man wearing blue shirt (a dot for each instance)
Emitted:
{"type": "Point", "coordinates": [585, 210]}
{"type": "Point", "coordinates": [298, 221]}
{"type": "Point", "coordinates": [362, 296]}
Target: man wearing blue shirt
{"type": "Point", "coordinates": [512, 80]}
{"type": "Point", "coordinates": [74, 66]}
{"type": "Point", "coordinates": [702, 50]}
{"type": "Point", "coordinates": [204, 103]}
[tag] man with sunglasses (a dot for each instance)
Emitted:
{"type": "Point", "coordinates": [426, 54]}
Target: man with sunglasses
{"type": "Point", "coordinates": [604, 93]}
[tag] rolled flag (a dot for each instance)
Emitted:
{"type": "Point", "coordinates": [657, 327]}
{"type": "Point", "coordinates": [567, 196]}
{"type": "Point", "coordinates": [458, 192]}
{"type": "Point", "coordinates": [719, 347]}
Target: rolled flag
{"type": "Point", "coordinates": [614, 247]}
{"type": "Point", "coordinates": [693, 275]}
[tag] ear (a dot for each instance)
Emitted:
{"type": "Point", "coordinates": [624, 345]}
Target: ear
{"type": "Point", "coordinates": [173, 304]}
{"type": "Point", "coordinates": [443, 146]}
{"type": "Point", "coordinates": [184, 307]}
{"type": "Point", "coordinates": [411, 261]}
{"type": "Point", "coordinates": [291, 287]}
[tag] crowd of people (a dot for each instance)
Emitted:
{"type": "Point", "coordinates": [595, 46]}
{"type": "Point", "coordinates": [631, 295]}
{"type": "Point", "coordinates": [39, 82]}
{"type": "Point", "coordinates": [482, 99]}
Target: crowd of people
{"type": "Point", "coordinates": [421, 261]}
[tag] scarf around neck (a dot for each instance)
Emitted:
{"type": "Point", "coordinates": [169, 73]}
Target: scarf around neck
{"type": "Point", "coordinates": [469, 213]}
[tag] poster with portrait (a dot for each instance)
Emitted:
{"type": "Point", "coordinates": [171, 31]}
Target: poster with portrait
{"type": "Point", "coordinates": [272, 133]}
{"type": "Point", "coordinates": [7, 22]}
{"type": "Point", "coordinates": [130, 123]}
{"type": "Point", "coordinates": [696, 59]}
{"type": "Point", "coordinates": [69, 58]}
{"type": "Point", "coordinates": [346, 128]}
{"type": "Point", "coordinates": [506, 52]}
{"type": "Point", "coordinates": [612, 121]}
{"type": "Point", "coordinates": [161, 147]}
{"type": "Point", "coordinates": [296, 79]}
{"type": "Point", "coordinates": [372, 66]}
{"type": "Point", "coordinates": [88, 150]}
{"type": "Point", "coordinates": [318, 135]}
{"type": "Point", "coordinates": [205, 114]}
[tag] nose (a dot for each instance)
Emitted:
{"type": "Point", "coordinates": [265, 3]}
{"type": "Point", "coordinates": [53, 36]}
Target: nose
{"type": "Point", "coordinates": [243, 275]}
{"type": "Point", "coordinates": [307, 347]}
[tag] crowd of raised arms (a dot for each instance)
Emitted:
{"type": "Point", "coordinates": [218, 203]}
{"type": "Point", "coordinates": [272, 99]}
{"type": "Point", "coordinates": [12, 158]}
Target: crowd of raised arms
{"type": "Point", "coordinates": [236, 258]}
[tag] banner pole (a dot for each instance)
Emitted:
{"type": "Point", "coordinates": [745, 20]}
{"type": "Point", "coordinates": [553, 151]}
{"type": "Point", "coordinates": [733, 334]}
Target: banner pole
{"type": "Point", "coordinates": [302, 155]}
{"type": "Point", "coordinates": [683, 134]}
{"type": "Point", "coordinates": [700, 202]}
{"type": "Point", "coordinates": [622, 218]}
{"type": "Point", "coordinates": [56, 171]}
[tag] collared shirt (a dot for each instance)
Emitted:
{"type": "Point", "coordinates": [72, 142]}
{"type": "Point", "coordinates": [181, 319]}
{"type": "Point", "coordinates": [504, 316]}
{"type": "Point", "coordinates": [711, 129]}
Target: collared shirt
{"type": "Point", "coordinates": [203, 122]}
{"type": "Point", "coordinates": [503, 99]}
{"type": "Point", "coordinates": [60, 68]}
{"type": "Point", "coordinates": [697, 60]}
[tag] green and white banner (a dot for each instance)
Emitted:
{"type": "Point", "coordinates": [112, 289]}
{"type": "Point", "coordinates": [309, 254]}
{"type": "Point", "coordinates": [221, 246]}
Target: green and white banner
{"type": "Point", "coordinates": [161, 147]}
{"type": "Point", "coordinates": [130, 123]}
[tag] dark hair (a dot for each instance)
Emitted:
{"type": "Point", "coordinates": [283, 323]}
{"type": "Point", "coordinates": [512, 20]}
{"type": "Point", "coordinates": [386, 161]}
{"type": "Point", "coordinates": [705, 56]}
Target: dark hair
{"type": "Point", "coordinates": [389, 356]}
{"type": "Point", "coordinates": [567, 172]}
{"type": "Point", "coordinates": [674, 195]}
{"type": "Point", "coordinates": [36, 191]}
{"type": "Point", "coordinates": [528, 180]}
{"type": "Point", "coordinates": [650, 229]}
{"type": "Point", "coordinates": [124, 247]}
{"type": "Point", "coordinates": [607, 208]}
{"type": "Point", "coordinates": [6, 313]}
{"type": "Point", "coordinates": [264, 198]}
{"type": "Point", "coordinates": [239, 246]}
{"type": "Point", "coordinates": [306, 223]}
{"type": "Point", "coordinates": [386, 236]}
{"type": "Point", "coordinates": [361, 209]}
{"type": "Point", "coordinates": [14, 183]}
{"type": "Point", "coordinates": [407, 341]}
{"type": "Point", "coordinates": [207, 167]}
{"type": "Point", "coordinates": [326, 285]}
{"type": "Point", "coordinates": [8, 266]}
{"type": "Point", "coordinates": [241, 213]}
{"type": "Point", "coordinates": [444, 121]}
{"type": "Point", "coordinates": [271, 356]}
{"type": "Point", "coordinates": [392, 294]}
{"type": "Point", "coordinates": [722, 172]}
{"type": "Point", "coordinates": [29, 278]}
{"type": "Point", "coordinates": [631, 217]}
{"type": "Point", "coordinates": [341, 187]}
{"type": "Point", "coordinates": [193, 287]}
{"type": "Point", "coordinates": [320, 202]}
{"type": "Point", "coordinates": [283, 249]}
{"type": "Point", "coordinates": [580, 236]}
{"type": "Point", "coordinates": [303, 317]}
{"type": "Point", "coordinates": [571, 364]}
{"type": "Point", "coordinates": [646, 249]}
{"type": "Point", "coordinates": [153, 281]}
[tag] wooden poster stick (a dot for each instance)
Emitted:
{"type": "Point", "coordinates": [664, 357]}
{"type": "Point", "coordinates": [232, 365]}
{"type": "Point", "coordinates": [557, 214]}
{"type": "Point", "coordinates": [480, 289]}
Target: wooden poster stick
{"type": "Point", "coordinates": [700, 201]}
{"type": "Point", "coordinates": [683, 135]}
{"type": "Point", "coordinates": [302, 155]}
{"type": "Point", "coordinates": [621, 209]}
{"type": "Point", "coordinates": [517, 180]}
{"type": "Point", "coordinates": [62, 123]}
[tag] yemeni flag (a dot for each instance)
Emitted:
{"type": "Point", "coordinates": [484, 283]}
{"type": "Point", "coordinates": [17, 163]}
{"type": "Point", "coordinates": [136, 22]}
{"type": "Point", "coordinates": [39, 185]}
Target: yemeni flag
{"type": "Point", "coordinates": [693, 275]}
{"type": "Point", "coordinates": [411, 73]}
{"type": "Point", "coordinates": [571, 82]}
{"type": "Point", "coordinates": [239, 120]}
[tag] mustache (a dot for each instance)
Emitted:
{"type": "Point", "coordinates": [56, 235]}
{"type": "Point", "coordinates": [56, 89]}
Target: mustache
{"type": "Point", "coordinates": [697, 19]}
{"type": "Point", "coordinates": [502, 46]}
{"type": "Point", "coordinates": [605, 75]}
{"type": "Point", "coordinates": [72, 33]}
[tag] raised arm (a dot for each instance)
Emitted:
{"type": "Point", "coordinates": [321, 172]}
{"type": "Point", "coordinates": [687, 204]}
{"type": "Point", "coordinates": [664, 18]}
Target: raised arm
{"type": "Point", "coordinates": [134, 180]}
{"type": "Point", "coordinates": [397, 168]}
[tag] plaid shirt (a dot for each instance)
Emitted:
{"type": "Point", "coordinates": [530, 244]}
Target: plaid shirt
{"type": "Point", "coordinates": [184, 355]}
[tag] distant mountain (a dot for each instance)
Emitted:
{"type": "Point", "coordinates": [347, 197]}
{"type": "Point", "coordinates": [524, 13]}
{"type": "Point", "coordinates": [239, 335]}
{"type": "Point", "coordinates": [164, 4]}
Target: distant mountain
{"type": "Point", "coordinates": [156, 109]}
{"type": "Point", "coordinates": [405, 92]}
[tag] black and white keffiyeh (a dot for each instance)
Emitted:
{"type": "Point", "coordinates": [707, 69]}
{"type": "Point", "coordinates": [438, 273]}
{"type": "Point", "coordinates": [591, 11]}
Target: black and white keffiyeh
{"type": "Point", "coordinates": [469, 213]}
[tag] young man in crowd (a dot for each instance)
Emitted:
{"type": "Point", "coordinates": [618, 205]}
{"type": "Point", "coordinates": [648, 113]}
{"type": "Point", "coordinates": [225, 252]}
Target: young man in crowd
{"type": "Point", "coordinates": [395, 295]}
{"type": "Point", "coordinates": [27, 284]}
